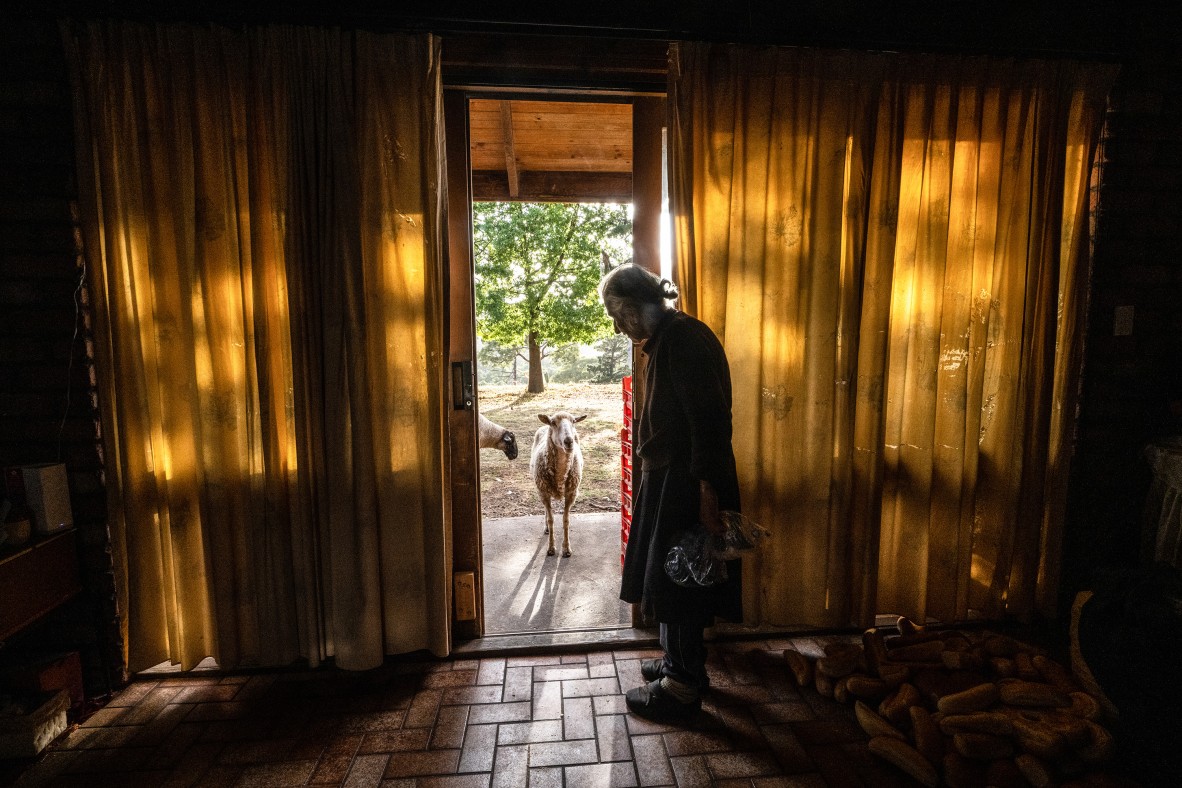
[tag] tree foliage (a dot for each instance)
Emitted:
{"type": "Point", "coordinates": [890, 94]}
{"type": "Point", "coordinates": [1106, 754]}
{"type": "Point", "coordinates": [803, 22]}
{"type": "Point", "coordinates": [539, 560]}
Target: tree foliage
{"type": "Point", "coordinates": [614, 359]}
{"type": "Point", "coordinates": [537, 268]}
{"type": "Point", "coordinates": [497, 363]}
{"type": "Point", "coordinates": [567, 365]}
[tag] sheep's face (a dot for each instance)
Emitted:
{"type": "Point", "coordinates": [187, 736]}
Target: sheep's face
{"type": "Point", "coordinates": [508, 444]}
{"type": "Point", "coordinates": [562, 429]}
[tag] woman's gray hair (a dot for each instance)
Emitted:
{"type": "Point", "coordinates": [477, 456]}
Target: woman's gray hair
{"type": "Point", "coordinates": [630, 282]}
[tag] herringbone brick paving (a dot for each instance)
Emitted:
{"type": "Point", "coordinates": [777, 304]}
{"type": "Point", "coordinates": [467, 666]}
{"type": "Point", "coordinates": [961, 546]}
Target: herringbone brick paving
{"type": "Point", "coordinates": [549, 720]}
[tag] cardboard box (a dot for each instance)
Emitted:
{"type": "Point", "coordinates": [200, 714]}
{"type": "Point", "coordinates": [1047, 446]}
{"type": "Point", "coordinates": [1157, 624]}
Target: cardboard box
{"type": "Point", "coordinates": [45, 672]}
{"type": "Point", "coordinates": [45, 489]}
{"type": "Point", "coordinates": [44, 719]}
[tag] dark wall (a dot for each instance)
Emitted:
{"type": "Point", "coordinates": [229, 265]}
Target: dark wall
{"type": "Point", "coordinates": [47, 406]}
{"type": "Point", "coordinates": [1038, 26]}
{"type": "Point", "coordinates": [1132, 383]}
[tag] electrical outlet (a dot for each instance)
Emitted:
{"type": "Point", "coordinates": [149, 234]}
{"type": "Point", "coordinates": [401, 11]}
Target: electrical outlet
{"type": "Point", "coordinates": [1122, 322]}
{"type": "Point", "coordinates": [465, 595]}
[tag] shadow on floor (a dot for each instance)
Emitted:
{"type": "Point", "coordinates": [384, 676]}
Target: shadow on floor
{"type": "Point", "coordinates": [526, 590]}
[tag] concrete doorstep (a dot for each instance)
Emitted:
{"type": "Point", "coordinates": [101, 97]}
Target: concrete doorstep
{"type": "Point", "coordinates": [526, 590]}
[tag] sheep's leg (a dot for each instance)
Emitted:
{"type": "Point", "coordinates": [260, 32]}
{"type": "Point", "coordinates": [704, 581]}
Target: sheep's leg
{"type": "Point", "coordinates": [570, 500]}
{"type": "Point", "coordinates": [549, 523]}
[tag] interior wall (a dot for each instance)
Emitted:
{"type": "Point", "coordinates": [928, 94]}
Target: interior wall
{"type": "Point", "coordinates": [48, 409]}
{"type": "Point", "coordinates": [1130, 382]}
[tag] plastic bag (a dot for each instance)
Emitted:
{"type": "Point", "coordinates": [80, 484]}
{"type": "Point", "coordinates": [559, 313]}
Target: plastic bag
{"type": "Point", "coordinates": [699, 558]}
{"type": "Point", "coordinates": [696, 559]}
{"type": "Point", "coordinates": [742, 534]}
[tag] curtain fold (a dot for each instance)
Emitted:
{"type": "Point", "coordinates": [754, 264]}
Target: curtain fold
{"type": "Point", "coordinates": [898, 240]}
{"type": "Point", "coordinates": [261, 213]}
{"type": "Point", "coordinates": [761, 143]}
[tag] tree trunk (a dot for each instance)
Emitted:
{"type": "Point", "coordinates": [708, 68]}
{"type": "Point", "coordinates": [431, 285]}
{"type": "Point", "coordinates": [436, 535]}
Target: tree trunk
{"type": "Point", "coordinates": [536, 384]}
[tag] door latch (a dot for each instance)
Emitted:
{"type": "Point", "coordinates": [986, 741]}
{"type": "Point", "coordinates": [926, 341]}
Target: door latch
{"type": "Point", "coordinates": [463, 387]}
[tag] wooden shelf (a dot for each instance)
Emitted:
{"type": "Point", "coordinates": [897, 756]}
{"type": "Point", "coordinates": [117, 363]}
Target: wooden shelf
{"type": "Point", "coordinates": [36, 578]}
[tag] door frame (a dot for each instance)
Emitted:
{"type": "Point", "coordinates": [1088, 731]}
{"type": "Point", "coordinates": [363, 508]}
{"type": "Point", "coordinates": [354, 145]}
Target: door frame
{"type": "Point", "coordinates": [648, 121]}
{"type": "Point", "coordinates": [463, 483]}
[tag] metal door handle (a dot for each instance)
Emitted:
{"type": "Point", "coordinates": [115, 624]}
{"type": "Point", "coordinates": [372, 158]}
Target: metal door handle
{"type": "Point", "coordinates": [463, 395]}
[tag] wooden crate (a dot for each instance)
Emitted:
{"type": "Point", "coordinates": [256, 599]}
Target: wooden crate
{"type": "Point", "coordinates": [26, 735]}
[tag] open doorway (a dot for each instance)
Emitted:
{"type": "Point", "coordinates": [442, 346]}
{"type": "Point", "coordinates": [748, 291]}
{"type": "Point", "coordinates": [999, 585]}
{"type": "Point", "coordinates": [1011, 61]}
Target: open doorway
{"type": "Point", "coordinates": [551, 193]}
{"type": "Point", "coordinates": [478, 170]}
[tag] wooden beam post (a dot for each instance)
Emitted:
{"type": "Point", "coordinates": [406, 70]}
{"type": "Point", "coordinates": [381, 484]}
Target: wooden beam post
{"type": "Point", "coordinates": [648, 119]}
{"type": "Point", "coordinates": [510, 153]}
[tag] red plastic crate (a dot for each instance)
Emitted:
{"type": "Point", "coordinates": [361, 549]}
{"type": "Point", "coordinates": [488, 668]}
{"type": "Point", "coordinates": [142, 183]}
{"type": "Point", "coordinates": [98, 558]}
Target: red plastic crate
{"type": "Point", "coordinates": [626, 468]}
{"type": "Point", "coordinates": [625, 530]}
{"type": "Point", "coordinates": [628, 403]}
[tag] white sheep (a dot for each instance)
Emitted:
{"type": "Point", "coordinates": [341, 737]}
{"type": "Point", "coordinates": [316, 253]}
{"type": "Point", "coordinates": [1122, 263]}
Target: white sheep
{"type": "Point", "coordinates": [556, 466]}
{"type": "Point", "coordinates": [494, 436]}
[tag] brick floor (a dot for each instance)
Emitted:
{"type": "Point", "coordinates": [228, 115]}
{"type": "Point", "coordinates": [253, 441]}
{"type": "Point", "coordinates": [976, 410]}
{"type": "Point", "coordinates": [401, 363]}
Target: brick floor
{"type": "Point", "coordinates": [533, 720]}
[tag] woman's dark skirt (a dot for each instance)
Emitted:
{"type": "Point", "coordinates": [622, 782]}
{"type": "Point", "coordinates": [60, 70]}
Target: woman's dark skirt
{"type": "Point", "coordinates": [666, 505]}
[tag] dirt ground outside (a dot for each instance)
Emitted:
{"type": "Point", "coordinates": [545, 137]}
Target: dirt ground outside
{"type": "Point", "coordinates": [505, 487]}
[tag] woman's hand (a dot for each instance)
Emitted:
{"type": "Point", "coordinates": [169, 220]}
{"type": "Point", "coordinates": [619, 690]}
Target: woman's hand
{"type": "Point", "coordinates": [708, 512]}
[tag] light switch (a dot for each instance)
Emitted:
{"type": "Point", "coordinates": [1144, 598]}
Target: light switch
{"type": "Point", "coordinates": [1122, 323]}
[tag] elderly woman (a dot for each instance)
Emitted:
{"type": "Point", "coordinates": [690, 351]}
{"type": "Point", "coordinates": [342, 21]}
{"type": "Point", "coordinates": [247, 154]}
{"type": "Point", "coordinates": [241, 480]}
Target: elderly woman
{"type": "Point", "coordinates": [687, 475]}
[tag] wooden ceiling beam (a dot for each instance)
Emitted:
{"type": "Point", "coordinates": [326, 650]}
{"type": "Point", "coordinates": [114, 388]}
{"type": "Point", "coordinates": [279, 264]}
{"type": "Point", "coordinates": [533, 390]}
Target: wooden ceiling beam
{"type": "Point", "coordinates": [492, 186]}
{"type": "Point", "coordinates": [510, 153]}
{"type": "Point", "coordinates": [550, 135]}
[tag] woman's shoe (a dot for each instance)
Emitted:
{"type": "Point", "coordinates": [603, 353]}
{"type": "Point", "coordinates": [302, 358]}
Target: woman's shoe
{"type": "Point", "coordinates": [653, 669]}
{"type": "Point", "coordinates": [653, 703]}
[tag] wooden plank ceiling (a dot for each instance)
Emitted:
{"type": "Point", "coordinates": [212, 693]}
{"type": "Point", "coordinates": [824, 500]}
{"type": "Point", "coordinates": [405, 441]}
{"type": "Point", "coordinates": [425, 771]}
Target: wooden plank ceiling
{"type": "Point", "coordinates": [550, 151]}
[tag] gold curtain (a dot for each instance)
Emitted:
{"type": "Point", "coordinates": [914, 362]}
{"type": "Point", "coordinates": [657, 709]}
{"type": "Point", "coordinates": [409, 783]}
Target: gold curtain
{"type": "Point", "coordinates": [261, 214]}
{"type": "Point", "coordinates": [893, 250]}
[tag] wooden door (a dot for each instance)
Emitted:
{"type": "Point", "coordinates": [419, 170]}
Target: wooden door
{"type": "Point", "coordinates": [465, 472]}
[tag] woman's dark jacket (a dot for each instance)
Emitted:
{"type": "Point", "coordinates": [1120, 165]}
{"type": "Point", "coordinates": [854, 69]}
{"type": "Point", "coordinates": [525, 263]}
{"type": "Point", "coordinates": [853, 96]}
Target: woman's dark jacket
{"type": "Point", "coordinates": [683, 435]}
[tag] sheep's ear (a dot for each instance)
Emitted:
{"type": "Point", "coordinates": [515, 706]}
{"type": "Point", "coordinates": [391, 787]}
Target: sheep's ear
{"type": "Point", "coordinates": [542, 417]}
{"type": "Point", "coordinates": [579, 418]}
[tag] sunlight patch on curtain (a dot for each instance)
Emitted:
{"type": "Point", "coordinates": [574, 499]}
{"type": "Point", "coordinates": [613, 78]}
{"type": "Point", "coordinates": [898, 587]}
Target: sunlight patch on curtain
{"type": "Point", "coordinates": [268, 308]}
{"type": "Point", "coordinates": [885, 245]}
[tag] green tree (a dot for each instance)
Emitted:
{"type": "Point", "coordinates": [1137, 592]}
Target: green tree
{"type": "Point", "coordinates": [614, 359]}
{"type": "Point", "coordinates": [537, 267]}
{"type": "Point", "coordinates": [567, 365]}
{"type": "Point", "coordinates": [498, 363]}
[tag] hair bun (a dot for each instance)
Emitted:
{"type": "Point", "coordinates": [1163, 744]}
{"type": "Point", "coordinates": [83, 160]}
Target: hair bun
{"type": "Point", "coordinates": [669, 289]}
